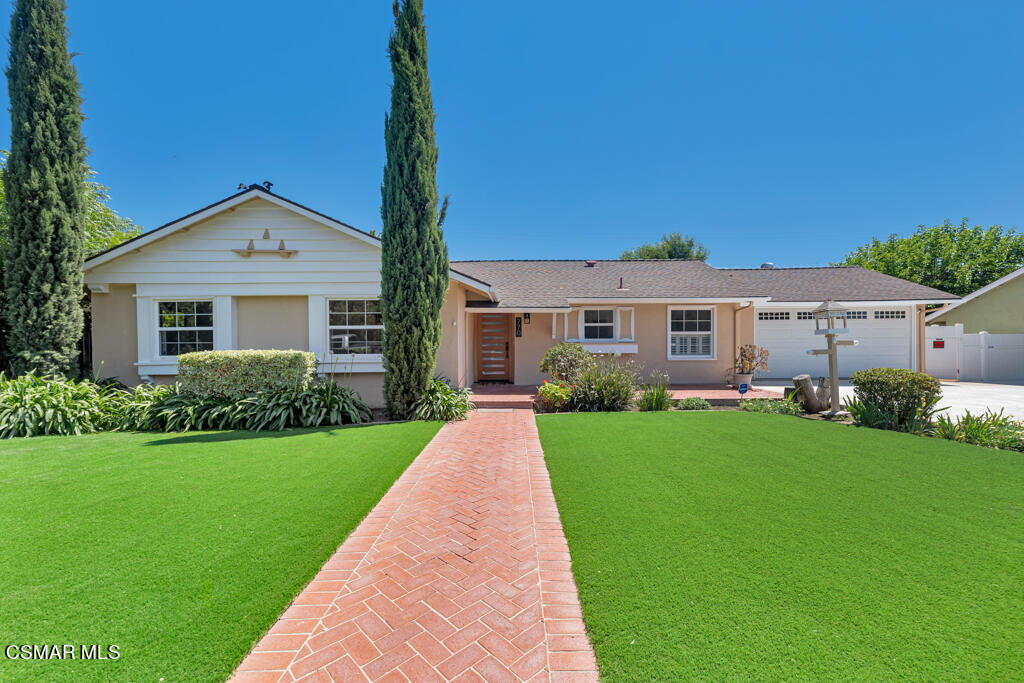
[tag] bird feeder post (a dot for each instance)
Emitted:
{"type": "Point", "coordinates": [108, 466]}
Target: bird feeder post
{"type": "Point", "coordinates": [830, 322]}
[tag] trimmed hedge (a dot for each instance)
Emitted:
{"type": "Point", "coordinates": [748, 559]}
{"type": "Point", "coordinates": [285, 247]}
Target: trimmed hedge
{"type": "Point", "coordinates": [896, 398]}
{"type": "Point", "coordinates": [234, 374]}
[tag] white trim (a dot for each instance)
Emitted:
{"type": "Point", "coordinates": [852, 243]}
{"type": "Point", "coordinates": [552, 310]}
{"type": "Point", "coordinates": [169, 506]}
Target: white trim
{"type": "Point", "coordinates": [597, 300]}
{"type": "Point", "coordinates": [581, 325]}
{"type": "Point", "coordinates": [713, 333]}
{"type": "Point", "coordinates": [976, 293]}
{"type": "Point", "coordinates": [616, 348]}
{"type": "Point", "coordinates": [849, 303]}
{"type": "Point", "coordinates": [147, 330]}
{"type": "Point", "coordinates": [327, 362]}
{"type": "Point", "coordinates": [517, 309]}
{"type": "Point", "coordinates": [478, 285]}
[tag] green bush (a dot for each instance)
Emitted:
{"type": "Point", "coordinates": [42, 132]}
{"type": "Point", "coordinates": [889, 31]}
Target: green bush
{"type": "Point", "coordinates": [606, 386]}
{"type": "Point", "coordinates": [902, 399]}
{"type": "Point", "coordinates": [693, 403]}
{"type": "Point", "coordinates": [566, 361]}
{"type": "Point", "coordinates": [991, 429]}
{"type": "Point", "coordinates": [655, 395]}
{"type": "Point", "coordinates": [553, 396]}
{"type": "Point", "coordinates": [771, 406]}
{"type": "Point", "coordinates": [234, 374]}
{"type": "Point", "coordinates": [442, 401]}
{"type": "Point", "coordinates": [38, 406]}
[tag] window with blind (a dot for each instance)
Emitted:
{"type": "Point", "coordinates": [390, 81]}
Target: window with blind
{"type": "Point", "coordinates": [691, 333]}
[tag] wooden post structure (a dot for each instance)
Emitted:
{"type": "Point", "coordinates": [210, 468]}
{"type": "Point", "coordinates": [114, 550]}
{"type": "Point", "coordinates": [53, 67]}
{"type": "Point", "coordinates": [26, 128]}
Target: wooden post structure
{"type": "Point", "coordinates": [833, 316]}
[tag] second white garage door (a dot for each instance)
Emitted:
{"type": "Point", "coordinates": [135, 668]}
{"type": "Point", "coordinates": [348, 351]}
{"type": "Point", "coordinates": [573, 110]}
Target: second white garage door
{"type": "Point", "coordinates": [884, 335]}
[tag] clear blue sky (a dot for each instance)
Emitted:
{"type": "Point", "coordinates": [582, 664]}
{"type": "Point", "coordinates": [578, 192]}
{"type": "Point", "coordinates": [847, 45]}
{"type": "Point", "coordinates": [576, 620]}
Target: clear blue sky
{"type": "Point", "coordinates": [780, 131]}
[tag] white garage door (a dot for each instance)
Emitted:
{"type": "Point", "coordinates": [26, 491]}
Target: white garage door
{"type": "Point", "coordinates": [884, 337]}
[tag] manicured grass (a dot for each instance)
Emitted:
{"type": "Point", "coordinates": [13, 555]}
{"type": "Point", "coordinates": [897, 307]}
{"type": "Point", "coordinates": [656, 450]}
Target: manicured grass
{"type": "Point", "coordinates": [180, 549]}
{"type": "Point", "coordinates": [732, 545]}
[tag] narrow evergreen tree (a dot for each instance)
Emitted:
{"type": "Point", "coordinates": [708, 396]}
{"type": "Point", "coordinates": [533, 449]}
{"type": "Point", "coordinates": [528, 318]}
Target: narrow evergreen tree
{"type": "Point", "coordinates": [414, 268]}
{"type": "Point", "coordinates": [44, 182]}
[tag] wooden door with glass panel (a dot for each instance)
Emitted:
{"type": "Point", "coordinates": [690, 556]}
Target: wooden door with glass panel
{"type": "Point", "coordinates": [494, 347]}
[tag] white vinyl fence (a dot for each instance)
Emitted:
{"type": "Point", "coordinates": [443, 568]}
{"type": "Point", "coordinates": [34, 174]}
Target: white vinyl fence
{"type": "Point", "coordinates": [981, 357]}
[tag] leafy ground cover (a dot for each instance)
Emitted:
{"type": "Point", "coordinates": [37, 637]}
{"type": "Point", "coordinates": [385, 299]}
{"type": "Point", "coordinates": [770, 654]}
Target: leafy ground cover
{"type": "Point", "coordinates": [181, 549]}
{"type": "Point", "coordinates": [718, 545]}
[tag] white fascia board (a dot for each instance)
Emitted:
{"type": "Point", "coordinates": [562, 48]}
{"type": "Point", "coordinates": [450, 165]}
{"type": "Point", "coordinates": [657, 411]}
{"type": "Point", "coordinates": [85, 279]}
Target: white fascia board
{"type": "Point", "coordinates": [976, 293]}
{"type": "Point", "coordinates": [520, 309]}
{"type": "Point", "coordinates": [815, 304]}
{"type": "Point", "coordinates": [756, 300]}
{"type": "Point", "coordinates": [478, 285]}
{"type": "Point", "coordinates": [241, 198]}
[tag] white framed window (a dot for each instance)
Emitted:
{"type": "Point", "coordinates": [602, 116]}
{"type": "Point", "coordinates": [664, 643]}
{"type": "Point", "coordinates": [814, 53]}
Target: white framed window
{"type": "Point", "coordinates": [598, 323]}
{"type": "Point", "coordinates": [184, 326]}
{"type": "Point", "coordinates": [355, 327]}
{"type": "Point", "coordinates": [773, 315]}
{"type": "Point", "coordinates": [890, 315]}
{"type": "Point", "coordinates": [691, 333]}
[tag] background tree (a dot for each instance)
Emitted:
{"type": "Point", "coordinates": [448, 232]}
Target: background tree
{"type": "Point", "coordinates": [672, 245]}
{"type": "Point", "coordinates": [954, 258]}
{"type": "Point", "coordinates": [414, 266]}
{"type": "Point", "coordinates": [44, 190]}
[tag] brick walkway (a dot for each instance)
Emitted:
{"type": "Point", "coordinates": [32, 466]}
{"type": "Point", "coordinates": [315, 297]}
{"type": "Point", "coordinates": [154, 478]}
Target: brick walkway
{"type": "Point", "coordinates": [461, 572]}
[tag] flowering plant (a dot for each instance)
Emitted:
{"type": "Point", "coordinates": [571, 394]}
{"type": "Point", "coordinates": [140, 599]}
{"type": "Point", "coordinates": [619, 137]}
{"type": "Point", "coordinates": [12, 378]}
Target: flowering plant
{"type": "Point", "coordinates": [553, 396]}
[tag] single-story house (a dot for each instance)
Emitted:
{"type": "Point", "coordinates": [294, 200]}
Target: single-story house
{"type": "Point", "coordinates": [997, 308]}
{"type": "Point", "coordinates": [256, 270]}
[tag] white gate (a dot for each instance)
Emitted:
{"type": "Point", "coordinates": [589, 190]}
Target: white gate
{"type": "Point", "coordinates": [981, 357]}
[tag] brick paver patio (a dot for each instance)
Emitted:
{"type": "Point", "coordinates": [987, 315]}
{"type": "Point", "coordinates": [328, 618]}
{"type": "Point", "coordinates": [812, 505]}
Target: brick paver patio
{"type": "Point", "coordinates": [461, 572]}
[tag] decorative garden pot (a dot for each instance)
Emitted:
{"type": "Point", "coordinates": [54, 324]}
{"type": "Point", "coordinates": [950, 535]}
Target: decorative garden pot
{"type": "Point", "coordinates": [738, 379]}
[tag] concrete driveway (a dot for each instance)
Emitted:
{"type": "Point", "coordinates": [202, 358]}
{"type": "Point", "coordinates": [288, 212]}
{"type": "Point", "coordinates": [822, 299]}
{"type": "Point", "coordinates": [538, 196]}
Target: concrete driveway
{"type": "Point", "coordinates": [960, 397]}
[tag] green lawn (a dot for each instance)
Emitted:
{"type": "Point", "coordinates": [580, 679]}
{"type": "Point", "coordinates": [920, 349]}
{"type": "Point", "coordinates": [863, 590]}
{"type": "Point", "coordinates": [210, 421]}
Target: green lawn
{"type": "Point", "coordinates": [179, 549]}
{"type": "Point", "coordinates": [743, 546]}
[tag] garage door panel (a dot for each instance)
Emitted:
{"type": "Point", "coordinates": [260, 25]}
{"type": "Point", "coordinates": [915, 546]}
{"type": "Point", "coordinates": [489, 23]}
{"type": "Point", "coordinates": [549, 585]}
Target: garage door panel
{"type": "Point", "coordinates": [884, 342]}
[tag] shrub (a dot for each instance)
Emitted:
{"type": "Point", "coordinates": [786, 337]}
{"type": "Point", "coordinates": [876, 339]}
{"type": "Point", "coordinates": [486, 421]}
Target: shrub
{"type": "Point", "coordinates": [892, 398]}
{"type": "Point", "coordinates": [655, 394]}
{"type": "Point", "coordinates": [442, 401]}
{"type": "Point", "coordinates": [234, 374]}
{"type": "Point", "coordinates": [693, 403]}
{"type": "Point", "coordinates": [991, 429]}
{"type": "Point", "coordinates": [605, 386]}
{"type": "Point", "coordinates": [37, 406]}
{"type": "Point", "coordinates": [139, 409]}
{"type": "Point", "coordinates": [566, 361]}
{"type": "Point", "coordinates": [553, 396]}
{"type": "Point", "coordinates": [771, 406]}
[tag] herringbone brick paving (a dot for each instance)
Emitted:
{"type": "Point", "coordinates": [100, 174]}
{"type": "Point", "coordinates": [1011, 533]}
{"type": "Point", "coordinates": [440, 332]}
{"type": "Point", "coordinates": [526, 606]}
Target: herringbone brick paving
{"type": "Point", "coordinates": [461, 572]}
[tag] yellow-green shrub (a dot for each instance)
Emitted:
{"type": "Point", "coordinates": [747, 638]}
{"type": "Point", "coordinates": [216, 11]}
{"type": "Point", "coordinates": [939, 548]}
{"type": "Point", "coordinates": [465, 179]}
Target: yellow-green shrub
{"type": "Point", "coordinates": [233, 374]}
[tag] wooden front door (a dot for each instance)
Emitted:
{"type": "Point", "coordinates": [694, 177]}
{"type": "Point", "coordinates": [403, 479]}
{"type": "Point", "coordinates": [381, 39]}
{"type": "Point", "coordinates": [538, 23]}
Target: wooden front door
{"type": "Point", "coordinates": [494, 347]}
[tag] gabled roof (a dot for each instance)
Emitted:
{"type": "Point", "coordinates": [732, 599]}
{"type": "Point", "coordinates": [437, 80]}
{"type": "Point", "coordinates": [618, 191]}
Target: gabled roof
{"type": "Point", "coordinates": [243, 196]}
{"type": "Point", "coordinates": [935, 315]}
{"type": "Point", "coordinates": [558, 284]}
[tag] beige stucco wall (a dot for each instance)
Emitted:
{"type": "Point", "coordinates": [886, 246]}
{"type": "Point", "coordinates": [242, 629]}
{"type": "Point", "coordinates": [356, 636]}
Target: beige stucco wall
{"type": "Point", "coordinates": [370, 386]}
{"type": "Point", "coordinates": [114, 331]}
{"type": "Point", "coordinates": [652, 344]}
{"type": "Point", "coordinates": [272, 322]}
{"type": "Point", "coordinates": [999, 311]}
{"type": "Point", "coordinates": [451, 354]}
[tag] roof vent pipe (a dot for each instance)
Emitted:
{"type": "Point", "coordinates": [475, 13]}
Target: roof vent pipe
{"type": "Point", "coordinates": [767, 265]}
{"type": "Point", "coordinates": [589, 264]}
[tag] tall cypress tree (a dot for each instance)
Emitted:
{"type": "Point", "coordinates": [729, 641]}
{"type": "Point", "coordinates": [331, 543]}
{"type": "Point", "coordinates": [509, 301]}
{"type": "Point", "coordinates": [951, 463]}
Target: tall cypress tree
{"type": "Point", "coordinates": [414, 268]}
{"type": "Point", "coordinates": [44, 182]}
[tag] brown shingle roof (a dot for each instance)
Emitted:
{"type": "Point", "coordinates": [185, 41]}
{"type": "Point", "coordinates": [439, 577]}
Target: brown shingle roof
{"type": "Point", "coordinates": [543, 284]}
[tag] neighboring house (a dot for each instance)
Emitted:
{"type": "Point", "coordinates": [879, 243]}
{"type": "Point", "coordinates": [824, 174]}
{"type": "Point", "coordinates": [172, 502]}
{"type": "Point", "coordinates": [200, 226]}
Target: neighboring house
{"type": "Point", "coordinates": [997, 308]}
{"type": "Point", "coordinates": [256, 270]}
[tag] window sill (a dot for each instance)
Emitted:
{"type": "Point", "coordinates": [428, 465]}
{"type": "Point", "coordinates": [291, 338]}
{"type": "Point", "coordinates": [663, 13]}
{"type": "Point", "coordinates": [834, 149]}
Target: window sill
{"type": "Point", "coordinates": [617, 348]}
{"type": "Point", "coordinates": [332, 364]}
{"type": "Point", "coordinates": [692, 357]}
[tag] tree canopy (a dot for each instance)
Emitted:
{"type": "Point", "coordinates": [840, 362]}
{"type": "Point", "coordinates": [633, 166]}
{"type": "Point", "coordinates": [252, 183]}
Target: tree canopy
{"type": "Point", "coordinates": [955, 258]}
{"type": "Point", "coordinates": [672, 246]}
